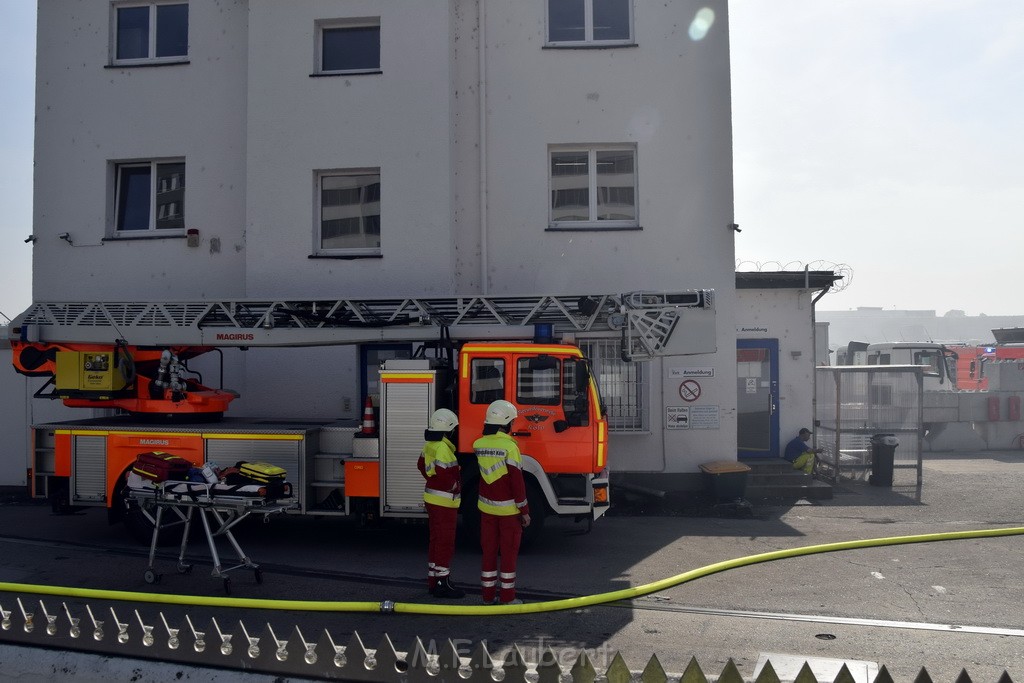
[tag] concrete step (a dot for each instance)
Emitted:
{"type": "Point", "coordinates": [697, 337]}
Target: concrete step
{"type": "Point", "coordinates": [775, 478]}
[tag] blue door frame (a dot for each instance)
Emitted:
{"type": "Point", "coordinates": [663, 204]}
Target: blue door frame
{"type": "Point", "coordinates": [757, 398]}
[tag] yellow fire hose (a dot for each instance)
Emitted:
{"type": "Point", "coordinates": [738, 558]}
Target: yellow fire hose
{"type": "Point", "coordinates": [388, 606]}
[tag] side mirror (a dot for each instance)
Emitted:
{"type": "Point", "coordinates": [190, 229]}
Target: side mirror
{"type": "Point", "coordinates": [561, 426]}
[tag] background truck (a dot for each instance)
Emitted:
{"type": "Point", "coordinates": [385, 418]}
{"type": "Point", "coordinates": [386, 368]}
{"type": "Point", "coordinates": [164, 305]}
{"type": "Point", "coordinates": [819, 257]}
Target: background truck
{"type": "Point", "coordinates": [472, 351]}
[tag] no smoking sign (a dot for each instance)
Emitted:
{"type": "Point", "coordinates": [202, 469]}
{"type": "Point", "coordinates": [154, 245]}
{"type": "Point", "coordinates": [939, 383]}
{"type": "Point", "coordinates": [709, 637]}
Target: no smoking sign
{"type": "Point", "coordinates": [689, 390]}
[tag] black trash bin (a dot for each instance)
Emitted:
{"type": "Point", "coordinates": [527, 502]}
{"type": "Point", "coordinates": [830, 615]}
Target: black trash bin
{"type": "Point", "coordinates": [725, 480]}
{"type": "Point", "coordinates": [883, 452]}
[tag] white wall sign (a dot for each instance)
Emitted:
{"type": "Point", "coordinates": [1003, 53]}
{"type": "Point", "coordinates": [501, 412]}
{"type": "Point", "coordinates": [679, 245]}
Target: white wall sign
{"type": "Point", "coordinates": [751, 329]}
{"type": "Point", "coordinates": [751, 385]}
{"type": "Point", "coordinates": [682, 373]}
{"type": "Point", "coordinates": [677, 417]}
{"type": "Point", "coordinates": [705, 417]}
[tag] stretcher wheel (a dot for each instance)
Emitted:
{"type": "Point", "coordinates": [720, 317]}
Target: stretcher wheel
{"type": "Point", "coordinates": [259, 575]}
{"type": "Point", "coordinates": [151, 576]}
{"type": "Point", "coordinates": [227, 585]}
{"type": "Point", "coordinates": [184, 569]}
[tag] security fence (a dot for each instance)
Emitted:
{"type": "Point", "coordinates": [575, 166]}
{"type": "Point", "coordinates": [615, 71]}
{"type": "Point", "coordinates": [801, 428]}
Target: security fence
{"type": "Point", "coordinates": [127, 633]}
{"type": "Point", "coordinates": [855, 407]}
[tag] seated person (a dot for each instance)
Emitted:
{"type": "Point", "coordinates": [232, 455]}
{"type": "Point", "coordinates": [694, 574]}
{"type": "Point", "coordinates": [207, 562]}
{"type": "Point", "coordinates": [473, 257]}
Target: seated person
{"type": "Point", "coordinates": [799, 453]}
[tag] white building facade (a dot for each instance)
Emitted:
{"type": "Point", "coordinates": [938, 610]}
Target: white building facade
{"type": "Point", "coordinates": [214, 149]}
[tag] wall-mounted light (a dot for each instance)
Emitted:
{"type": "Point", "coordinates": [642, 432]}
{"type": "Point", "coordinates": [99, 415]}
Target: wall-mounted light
{"type": "Point", "coordinates": [66, 236]}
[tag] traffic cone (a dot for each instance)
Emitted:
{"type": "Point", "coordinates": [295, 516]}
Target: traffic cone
{"type": "Point", "coordinates": [369, 424]}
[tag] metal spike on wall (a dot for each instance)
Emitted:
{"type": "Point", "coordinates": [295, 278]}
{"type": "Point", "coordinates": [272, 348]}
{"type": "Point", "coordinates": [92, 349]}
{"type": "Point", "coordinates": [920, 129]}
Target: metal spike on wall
{"type": "Point", "coordinates": [121, 631]}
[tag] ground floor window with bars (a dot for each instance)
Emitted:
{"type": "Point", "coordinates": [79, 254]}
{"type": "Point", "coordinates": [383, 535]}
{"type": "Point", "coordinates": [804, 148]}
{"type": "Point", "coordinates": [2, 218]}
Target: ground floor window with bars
{"type": "Point", "coordinates": [624, 386]}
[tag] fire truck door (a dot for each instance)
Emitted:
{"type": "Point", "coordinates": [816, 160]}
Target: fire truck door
{"type": "Point", "coordinates": [555, 424]}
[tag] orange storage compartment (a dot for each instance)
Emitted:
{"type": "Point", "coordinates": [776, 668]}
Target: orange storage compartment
{"type": "Point", "coordinates": [362, 478]}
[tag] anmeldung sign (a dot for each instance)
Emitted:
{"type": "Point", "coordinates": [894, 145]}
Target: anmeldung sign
{"type": "Point", "coordinates": [682, 373]}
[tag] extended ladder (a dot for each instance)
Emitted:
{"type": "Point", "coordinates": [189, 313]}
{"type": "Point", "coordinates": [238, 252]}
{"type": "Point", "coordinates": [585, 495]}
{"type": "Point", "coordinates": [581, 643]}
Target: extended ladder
{"type": "Point", "coordinates": [647, 320]}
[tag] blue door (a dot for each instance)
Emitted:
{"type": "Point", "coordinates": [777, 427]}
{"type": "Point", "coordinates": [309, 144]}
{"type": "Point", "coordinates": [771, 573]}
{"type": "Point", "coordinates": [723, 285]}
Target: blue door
{"type": "Point", "coordinates": [757, 397]}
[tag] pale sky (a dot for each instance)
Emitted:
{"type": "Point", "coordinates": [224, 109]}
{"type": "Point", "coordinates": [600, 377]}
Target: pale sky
{"type": "Point", "coordinates": [881, 136]}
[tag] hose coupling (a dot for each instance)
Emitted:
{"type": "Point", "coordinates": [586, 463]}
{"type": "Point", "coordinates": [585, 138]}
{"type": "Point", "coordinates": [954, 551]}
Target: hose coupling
{"type": "Point", "coordinates": [387, 606]}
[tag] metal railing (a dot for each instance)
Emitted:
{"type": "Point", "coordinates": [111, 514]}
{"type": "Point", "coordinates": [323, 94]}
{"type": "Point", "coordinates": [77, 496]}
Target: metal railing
{"type": "Point", "coordinates": [855, 402]}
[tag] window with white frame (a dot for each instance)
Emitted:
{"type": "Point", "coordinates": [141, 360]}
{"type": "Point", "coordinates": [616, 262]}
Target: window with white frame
{"type": "Point", "coordinates": [350, 46]}
{"type": "Point", "coordinates": [593, 187]}
{"type": "Point", "coordinates": [149, 196]}
{"type": "Point", "coordinates": [149, 32]}
{"type": "Point", "coordinates": [623, 385]}
{"type": "Point", "coordinates": [349, 216]}
{"type": "Point", "coordinates": [590, 22]}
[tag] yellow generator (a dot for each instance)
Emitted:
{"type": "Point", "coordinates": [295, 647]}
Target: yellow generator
{"type": "Point", "coordinates": [88, 373]}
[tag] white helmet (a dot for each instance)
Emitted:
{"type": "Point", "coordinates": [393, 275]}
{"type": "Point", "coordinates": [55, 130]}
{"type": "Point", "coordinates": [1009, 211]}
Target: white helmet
{"type": "Point", "coordinates": [500, 413]}
{"type": "Point", "coordinates": [443, 420]}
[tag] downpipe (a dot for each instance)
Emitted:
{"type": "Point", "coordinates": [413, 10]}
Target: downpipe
{"type": "Point", "coordinates": [389, 606]}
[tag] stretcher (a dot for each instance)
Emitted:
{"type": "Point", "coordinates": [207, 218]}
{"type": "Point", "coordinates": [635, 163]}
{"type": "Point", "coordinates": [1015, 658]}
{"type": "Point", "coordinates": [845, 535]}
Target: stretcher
{"type": "Point", "coordinates": [219, 507]}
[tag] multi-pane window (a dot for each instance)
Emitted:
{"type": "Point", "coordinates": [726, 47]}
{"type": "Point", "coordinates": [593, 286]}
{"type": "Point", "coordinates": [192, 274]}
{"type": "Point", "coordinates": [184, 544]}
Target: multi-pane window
{"type": "Point", "coordinates": [348, 47]}
{"type": "Point", "coordinates": [590, 22]}
{"type": "Point", "coordinates": [149, 196]}
{"type": "Point", "coordinates": [623, 385]}
{"type": "Point", "coordinates": [593, 187]}
{"type": "Point", "coordinates": [150, 32]}
{"type": "Point", "coordinates": [349, 212]}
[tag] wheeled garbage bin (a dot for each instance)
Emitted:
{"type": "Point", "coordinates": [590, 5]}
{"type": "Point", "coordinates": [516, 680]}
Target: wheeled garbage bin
{"type": "Point", "coordinates": [883, 453]}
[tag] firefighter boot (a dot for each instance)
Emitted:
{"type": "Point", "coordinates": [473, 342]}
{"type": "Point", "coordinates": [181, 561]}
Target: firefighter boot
{"type": "Point", "coordinates": [445, 590]}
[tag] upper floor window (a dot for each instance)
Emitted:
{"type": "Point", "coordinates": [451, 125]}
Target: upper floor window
{"type": "Point", "coordinates": [590, 22]}
{"type": "Point", "coordinates": [349, 221]}
{"type": "Point", "coordinates": [348, 47]}
{"type": "Point", "coordinates": [149, 196]}
{"type": "Point", "coordinates": [150, 32]}
{"type": "Point", "coordinates": [593, 187]}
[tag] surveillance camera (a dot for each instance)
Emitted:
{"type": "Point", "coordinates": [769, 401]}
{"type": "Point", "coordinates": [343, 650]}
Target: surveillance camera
{"type": "Point", "coordinates": [64, 235]}
{"type": "Point", "coordinates": [30, 238]}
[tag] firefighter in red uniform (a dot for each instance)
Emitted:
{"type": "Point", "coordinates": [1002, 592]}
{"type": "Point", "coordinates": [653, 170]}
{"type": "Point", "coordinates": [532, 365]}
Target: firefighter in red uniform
{"type": "Point", "coordinates": [441, 496]}
{"type": "Point", "coordinates": [502, 504]}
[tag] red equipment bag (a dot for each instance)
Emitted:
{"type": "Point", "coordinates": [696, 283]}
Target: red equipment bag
{"type": "Point", "coordinates": [158, 467]}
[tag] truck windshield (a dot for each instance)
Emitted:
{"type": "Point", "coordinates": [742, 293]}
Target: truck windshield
{"type": "Point", "coordinates": [933, 359]}
{"type": "Point", "coordinates": [550, 381]}
{"type": "Point", "coordinates": [537, 381]}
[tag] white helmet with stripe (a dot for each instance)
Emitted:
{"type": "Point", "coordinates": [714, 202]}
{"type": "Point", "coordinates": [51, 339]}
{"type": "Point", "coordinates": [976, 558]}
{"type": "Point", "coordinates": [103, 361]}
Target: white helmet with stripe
{"type": "Point", "coordinates": [500, 413]}
{"type": "Point", "coordinates": [443, 420]}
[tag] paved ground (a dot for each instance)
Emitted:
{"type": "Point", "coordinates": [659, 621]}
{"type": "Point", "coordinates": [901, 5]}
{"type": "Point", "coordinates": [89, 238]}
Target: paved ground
{"type": "Point", "coordinates": [946, 606]}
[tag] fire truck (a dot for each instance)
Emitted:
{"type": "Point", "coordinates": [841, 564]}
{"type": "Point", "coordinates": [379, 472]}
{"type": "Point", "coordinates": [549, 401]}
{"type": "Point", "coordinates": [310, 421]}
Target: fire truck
{"type": "Point", "coordinates": [131, 362]}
